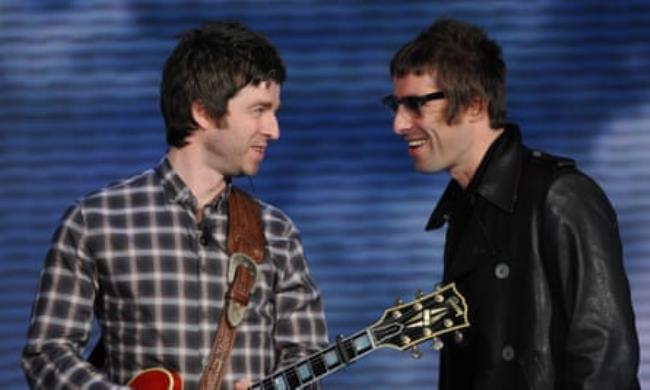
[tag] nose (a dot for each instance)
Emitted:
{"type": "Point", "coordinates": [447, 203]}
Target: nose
{"type": "Point", "coordinates": [272, 129]}
{"type": "Point", "coordinates": [402, 121]}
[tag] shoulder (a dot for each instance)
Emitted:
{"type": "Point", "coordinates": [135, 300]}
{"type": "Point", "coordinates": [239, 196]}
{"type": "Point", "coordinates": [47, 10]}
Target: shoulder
{"type": "Point", "coordinates": [565, 190]}
{"type": "Point", "coordinates": [542, 169]}
{"type": "Point", "coordinates": [276, 222]}
{"type": "Point", "coordinates": [571, 193]}
{"type": "Point", "coordinates": [574, 191]}
{"type": "Point", "coordinates": [563, 176]}
{"type": "Point", "coordinates": [549, 161]}
{"type": "Point", "coordinates": [111, 195]}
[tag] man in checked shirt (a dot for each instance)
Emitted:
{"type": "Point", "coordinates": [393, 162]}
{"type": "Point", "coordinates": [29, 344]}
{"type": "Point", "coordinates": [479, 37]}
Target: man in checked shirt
{"type": "Point", "coordinates": [148, 255]}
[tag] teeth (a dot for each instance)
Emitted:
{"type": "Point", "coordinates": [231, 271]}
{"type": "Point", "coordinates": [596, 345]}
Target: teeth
{"type": "Point", "coordinates": [415, 144]}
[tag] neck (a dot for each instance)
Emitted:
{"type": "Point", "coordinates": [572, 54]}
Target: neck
{"type": "Point", "coordinates": [204, 182]}
{"type": "Point", "coordinates": [475, 155]}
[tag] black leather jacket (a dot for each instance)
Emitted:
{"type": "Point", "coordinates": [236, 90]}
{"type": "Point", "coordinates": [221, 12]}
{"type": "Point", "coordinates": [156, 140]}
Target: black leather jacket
{"type": "Point", "coordinates": [533, 245]}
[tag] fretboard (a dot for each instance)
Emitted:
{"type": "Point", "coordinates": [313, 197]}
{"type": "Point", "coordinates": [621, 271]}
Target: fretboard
{"type": "Point", "coordinates": [316, 366]}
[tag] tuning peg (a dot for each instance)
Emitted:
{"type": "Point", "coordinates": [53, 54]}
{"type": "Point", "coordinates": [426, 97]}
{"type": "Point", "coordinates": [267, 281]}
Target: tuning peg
{"type": "Point", "coordinates": [399, 301]}
{"type": "Point", "coordinates": [437, 344]}
{"type": "Point", "coordinates": [415, 352]}
{"type": "Point", "coordinates": [458, 337]}
{"type": "Point", "coordinates": [419, 294]}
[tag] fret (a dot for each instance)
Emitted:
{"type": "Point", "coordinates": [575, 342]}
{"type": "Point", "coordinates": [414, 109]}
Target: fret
{"type": "Point", "coordinates": [318, 365]}
{"type": "Point", "coordinates": [292, 378]}
{"type": "Point", "coordinates": [343, 349]}
{"type": "Point", "coordinates": [349, 350]}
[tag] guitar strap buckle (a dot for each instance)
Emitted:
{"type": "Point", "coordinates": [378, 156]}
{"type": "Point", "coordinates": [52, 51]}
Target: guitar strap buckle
{"type": "Point", "coordinates": [237, 259]}
{"type": "Point", "coordinates": [242, 275]}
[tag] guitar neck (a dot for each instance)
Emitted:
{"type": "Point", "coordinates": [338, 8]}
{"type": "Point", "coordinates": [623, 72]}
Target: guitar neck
{"type": "Point", "coordinates": [402, 326]}
{"type": "Point", "coordinates": [333, 358]}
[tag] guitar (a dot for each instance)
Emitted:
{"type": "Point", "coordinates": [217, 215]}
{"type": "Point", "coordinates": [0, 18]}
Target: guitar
{"type": "Point", "coordinates": [402, 326]}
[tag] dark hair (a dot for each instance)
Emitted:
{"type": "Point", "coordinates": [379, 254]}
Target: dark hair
{"type": "Point", "coordinates": [465, 63]}
{"type": "Point", "coordinates": [211, 65]}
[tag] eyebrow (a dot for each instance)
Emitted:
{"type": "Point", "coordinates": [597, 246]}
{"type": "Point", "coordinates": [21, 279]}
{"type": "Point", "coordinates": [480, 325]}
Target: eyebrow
{"type": "Point", "coordinates": [263, 103]}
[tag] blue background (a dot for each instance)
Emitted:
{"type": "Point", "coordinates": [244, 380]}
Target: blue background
{"type": "Point", "coordinates": [79, 109]}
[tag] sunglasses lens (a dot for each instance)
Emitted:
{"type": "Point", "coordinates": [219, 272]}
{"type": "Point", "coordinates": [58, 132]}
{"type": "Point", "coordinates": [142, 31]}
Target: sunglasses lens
{"type": "Point", "coordinates": [391, 102]}
{"type": "Point", "coordinates": [412, 104]}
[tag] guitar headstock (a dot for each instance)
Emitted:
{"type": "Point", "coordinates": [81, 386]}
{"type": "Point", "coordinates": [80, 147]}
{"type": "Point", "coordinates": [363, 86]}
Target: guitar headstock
{"type": "Point", "coordinates": [426, 317]}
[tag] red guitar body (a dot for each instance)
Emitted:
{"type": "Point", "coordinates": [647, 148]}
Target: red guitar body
{"type": "Point", "coordinates": [156, 379]}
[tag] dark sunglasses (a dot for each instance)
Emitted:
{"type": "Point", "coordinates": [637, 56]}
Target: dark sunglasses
{"type": "Point", "coordinates": [412, 103]}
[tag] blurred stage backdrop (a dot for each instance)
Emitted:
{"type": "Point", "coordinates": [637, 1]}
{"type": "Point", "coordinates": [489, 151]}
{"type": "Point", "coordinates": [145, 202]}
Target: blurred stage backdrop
{"type": "Point", "coordinates": [79, 109]}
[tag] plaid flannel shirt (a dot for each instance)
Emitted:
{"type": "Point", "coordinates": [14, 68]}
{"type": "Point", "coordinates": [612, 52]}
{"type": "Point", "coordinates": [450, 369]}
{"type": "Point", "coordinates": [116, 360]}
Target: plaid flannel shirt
{"type": "Point", "coordinates": [134, 254]}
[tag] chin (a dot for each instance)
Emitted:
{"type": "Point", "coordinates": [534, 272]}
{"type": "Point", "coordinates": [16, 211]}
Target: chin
{"type": "Point", "coordinates": [250, 171]}
{"type": "Point", "coordinates": [422, 168]}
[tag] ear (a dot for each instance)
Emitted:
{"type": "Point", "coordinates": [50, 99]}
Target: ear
{"type": "Point", "coordinates": [476, 110]}
{"type": "Point", "coordinates": [200, 115]}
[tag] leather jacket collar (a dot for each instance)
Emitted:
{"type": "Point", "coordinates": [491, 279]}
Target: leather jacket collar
{"type": "Point", "coordinates": [498, 178]}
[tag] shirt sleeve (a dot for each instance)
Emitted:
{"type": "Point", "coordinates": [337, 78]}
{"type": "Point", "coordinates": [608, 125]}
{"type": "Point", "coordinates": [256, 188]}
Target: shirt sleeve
{"type": "Point", "coordinates": [300, 320]}
{"type": "Point", "coordinates": [601, 349]}
{"type": "Point", "coordinates": [62, 314]}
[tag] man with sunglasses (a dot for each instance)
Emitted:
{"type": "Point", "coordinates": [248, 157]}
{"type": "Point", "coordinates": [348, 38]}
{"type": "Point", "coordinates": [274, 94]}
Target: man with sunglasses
{"type": "Point", "coordinates": [532, 242]}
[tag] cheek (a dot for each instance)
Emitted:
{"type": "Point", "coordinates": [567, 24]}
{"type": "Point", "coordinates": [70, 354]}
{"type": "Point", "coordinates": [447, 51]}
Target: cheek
{"type": "Point", "coordinates": [431, 128]}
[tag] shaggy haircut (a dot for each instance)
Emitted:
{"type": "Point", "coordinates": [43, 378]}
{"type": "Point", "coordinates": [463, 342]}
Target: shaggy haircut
{"type": "Point", "coordinates": [463, 61]}
{"type": "Point", "coordinates": [210, 65]}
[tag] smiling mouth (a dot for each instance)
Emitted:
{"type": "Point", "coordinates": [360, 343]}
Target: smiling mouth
{"type": "Point", "coordinates": [416, 143]}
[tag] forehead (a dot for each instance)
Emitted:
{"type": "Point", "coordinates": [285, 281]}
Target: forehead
{"type": "Point", "coordinates": [264, 92]}
{"type": "Point", "coordinates": [414, 84]}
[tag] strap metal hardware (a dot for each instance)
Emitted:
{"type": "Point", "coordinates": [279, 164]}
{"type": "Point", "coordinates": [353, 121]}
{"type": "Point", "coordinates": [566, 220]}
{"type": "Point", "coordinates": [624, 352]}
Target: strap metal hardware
{"type": "Point", "coordinates": [235, 312]}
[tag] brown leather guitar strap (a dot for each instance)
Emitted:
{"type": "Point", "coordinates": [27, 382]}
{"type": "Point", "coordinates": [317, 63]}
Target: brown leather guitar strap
{"type": "Point", "coordinates": [246, 244]}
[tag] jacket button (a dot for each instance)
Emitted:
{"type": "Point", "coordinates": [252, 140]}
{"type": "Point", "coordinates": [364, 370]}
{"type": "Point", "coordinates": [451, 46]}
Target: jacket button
{"type": "Point", "coordinates": [502, 271]}
{"type": "Point", "coordinates": [508, 353]}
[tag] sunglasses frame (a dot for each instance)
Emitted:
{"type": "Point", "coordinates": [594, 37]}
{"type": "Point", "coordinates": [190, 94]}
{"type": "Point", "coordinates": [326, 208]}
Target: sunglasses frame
{"type": "Point", "coordinates": [412, 103]}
